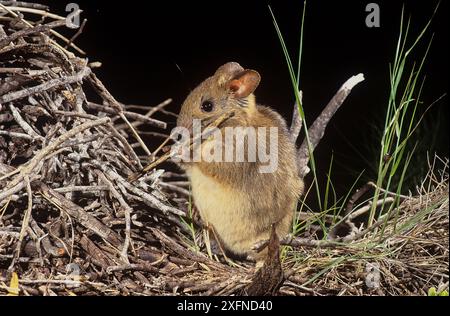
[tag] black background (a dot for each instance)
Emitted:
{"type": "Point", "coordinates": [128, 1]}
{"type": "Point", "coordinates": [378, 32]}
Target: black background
{"type": "Point", "coordinates": [155, 50]}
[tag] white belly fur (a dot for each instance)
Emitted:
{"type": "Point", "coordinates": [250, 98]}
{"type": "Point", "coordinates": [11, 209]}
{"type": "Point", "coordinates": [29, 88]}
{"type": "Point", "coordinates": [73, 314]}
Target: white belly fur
{"type": "Point", "coordinates": [225, 214]}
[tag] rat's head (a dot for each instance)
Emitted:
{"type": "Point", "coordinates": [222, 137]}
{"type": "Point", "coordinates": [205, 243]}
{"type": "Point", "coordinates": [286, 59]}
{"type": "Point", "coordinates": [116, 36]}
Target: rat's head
{"type": "Point", "coordinates": [229, 89]}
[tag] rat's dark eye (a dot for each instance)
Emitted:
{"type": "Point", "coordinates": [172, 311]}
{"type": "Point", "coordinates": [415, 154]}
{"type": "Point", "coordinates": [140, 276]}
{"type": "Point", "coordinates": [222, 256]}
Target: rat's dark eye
{"type": "Point", "coordinates": [207, 106]}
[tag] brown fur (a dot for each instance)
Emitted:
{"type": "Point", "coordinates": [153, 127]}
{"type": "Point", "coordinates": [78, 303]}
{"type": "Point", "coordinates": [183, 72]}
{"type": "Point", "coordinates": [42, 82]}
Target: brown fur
{"type": "Point", "coordinates": [239, 202]}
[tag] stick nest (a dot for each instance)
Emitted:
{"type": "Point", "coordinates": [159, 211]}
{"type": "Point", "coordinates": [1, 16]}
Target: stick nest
{"type": "Point", "coordinates": [71, 222]}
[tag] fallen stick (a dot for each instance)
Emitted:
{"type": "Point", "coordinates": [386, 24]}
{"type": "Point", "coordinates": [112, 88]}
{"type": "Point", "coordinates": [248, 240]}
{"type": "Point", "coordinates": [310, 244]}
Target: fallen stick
{"type": "Point", "coordinates": [317, 129]}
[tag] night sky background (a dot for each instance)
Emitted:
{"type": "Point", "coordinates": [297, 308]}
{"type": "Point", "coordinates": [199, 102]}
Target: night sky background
{"type": "Point", "coordinates": [155, 50]}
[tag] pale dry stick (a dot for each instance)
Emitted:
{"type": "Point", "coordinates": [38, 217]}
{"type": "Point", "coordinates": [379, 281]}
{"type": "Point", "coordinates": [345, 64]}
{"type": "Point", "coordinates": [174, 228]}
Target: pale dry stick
{"type": "Point", "coordinates": [25, 32]}
{"type": "Point", "coordinates": [156, 151]}
{"type": "Point", "coordinates": [17, 135]}
{"type": "Point", "coordinates": [367, 207]}
{"type": "Point", "coordinates": [42, 238]}
{"type": "Point", "coordinates": [95, 64]}
{"type": "Point", "coordinates": [296, 124]}
{"type": "Point", "coordinates": [61, 150]}
{"type": "Point", "coordinates": [116, 155]}
{"type": "Point", "coordinates": [153, 176]}
{"type": "Point", "coordinates": [207, 242]}
{"type": "Point", "coordinates": [390, 193]}
{"type": "Point", "coordinates": [7, 70]}
{"type": "Point", "coordinates": [2, 32]}
{"type": "Point", "coordinates": [37, 73]}
{"type": "Point", "coordinates": [127, 147]}
{"type": "Point", "coordinates": [150, 112]}
{"type": "Point", "coordinates": [184, 184]}
{"type": "Point", "coordinates": [158, 107]}
{"type": "Point", "coordinates": [211, 228]}
{"type": "Point", "coordinates": [430, 178]}
{"type": "Point", "coordinates": [24, 125]}
{"type": "Point", "coordinates": [317, 129]}
{"type": "Point", "coordinates": [135, 267]}
{"type": "Point", "coordinates": [24, 4]}
{"type": "Point", "coordinates": [355, 197]}
{"type": "Point", "coordinates": [197, 288]}
{"type": "Point", "coordinates": [341, 242]}
{"type": "Point", "coordinates": [233, 288]}
{"type": "Point", "coordinates": [16, 188]}
{"type": "Point", "coordinates": [65, 39]}
{"type": "Point", "coordinates": [175, 188]}
{"type": "Point", "coordinates": [29, 166]}
{"type": "Point", "coordinates": [66, 52]}
{"type": "Point", "coordinates": [297, 242]}
{"type": "Point", "coordinates": [131, 115]}
{"type": "Point", "coordinates": [76, 114]}
{"type": "Point", "coordinates": [101, 89]}
{"type": "Point", "coordinates": [72, 240]}
{"type": "Point", "coordinates": [128, 242]}
{"type": "Point", "coordinates": [74, 37]}
{"type": "Point", "coordinates": [20, 259]}
{"type": "Point", "coordinates": [9, 192]}
{"type": "Point", "coordinates": [300, 287]}
{"type": "Point", "coordinates": [311, 217]}
{"type": "Point", "coordinates": [4, 168]}
{"type": "Point", "coordinates": [25, 222]}
{"type": "Point", "coordinates": [43, 48]}
{"type": "Point", "coordinates": [170, 154]}
{"type": "Point", "coordinates": [233, 280]}
{"type": "Point", "coordinates": [151, 199]}
{"type": "Point", "coordinates": [376, 196]}
{"type": "Point", "coordinates": [12, 96]}
{"type": "Point", "coordinates": [61, 282]}
{"type": "Point", "coordinates": [9, 233]}
{"type": "Point", "coordinates": [127, 210]}
{"type": "Point", "coordinates": [350, 214]}
{"type": "Point", "coordinates": [43, 13]}
{"type": "Point", "coordinates": [166, 112]}
{"type": "Point", "coordinates": [79, 214]}
{"type": "Point", "coordinates": [82, 188]}
{"type": "Point", "coordinates": [363, 232]}
{"type": "Point", "coordinates": [201, 258]}
{"type": "Point", "coordinates": [147, 198]}
{"type": "Point", "coordinates": [154, 134]}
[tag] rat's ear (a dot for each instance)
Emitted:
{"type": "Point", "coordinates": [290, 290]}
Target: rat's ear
{"type": "Point", "coordinates": [230, 69]}
{"type": "Point", "coordinates": [226, 72]}
{"type": "Point", "coordinates": [245, 83]}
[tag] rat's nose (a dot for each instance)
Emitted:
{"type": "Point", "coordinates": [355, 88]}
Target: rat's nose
{"type": "Point", "coordinates": [185, 121]}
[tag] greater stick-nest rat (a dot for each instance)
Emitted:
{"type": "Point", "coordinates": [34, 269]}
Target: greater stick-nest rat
{"type": "Point", "coordinates": [235, 198]}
